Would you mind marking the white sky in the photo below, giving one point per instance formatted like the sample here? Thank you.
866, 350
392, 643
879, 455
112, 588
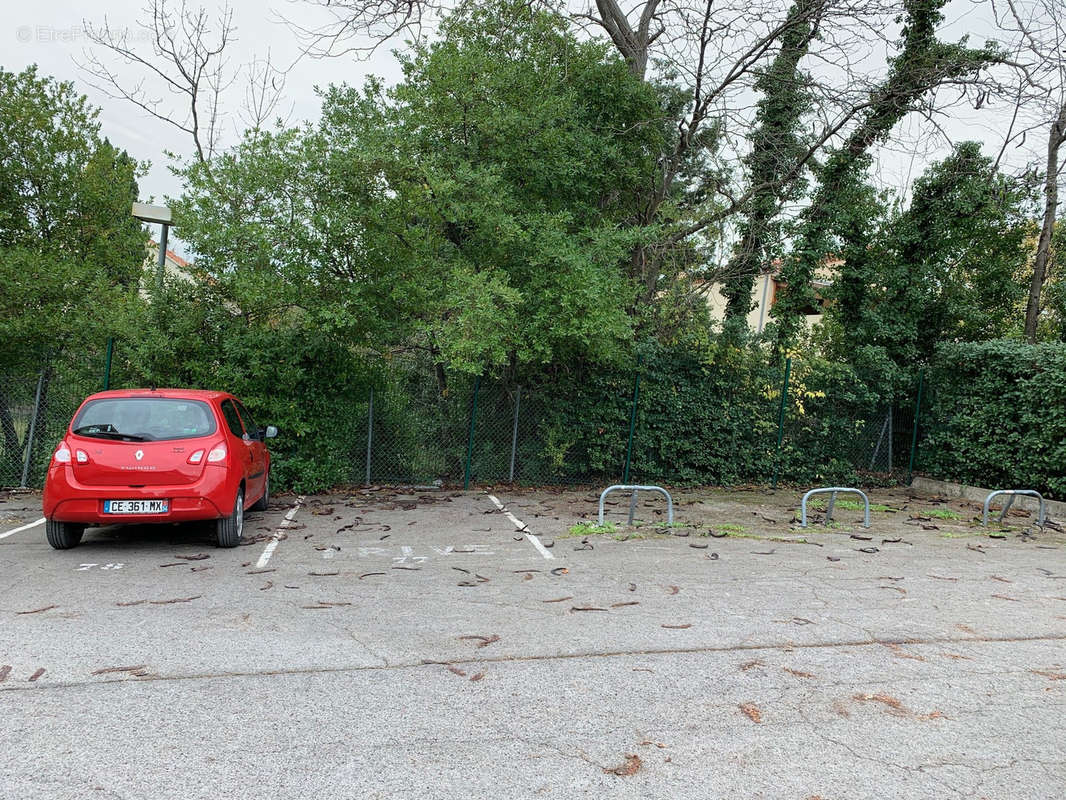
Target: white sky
51, 35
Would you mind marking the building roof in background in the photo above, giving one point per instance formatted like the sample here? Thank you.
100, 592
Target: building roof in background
171, 255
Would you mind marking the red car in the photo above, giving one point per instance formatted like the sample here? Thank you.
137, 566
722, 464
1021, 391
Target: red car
157, 455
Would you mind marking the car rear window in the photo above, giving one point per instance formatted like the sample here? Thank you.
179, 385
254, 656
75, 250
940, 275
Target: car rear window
144, 419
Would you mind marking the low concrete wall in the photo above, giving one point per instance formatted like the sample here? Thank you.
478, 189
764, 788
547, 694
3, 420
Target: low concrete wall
1055, 508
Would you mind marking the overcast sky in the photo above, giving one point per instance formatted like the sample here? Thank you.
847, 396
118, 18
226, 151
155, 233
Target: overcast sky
51, 35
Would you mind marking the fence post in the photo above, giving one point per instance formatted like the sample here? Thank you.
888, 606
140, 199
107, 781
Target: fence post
32, 430
470, 438
514, 432
632, 421
891, 409
781, 421
107, 362
914, 433
369, 434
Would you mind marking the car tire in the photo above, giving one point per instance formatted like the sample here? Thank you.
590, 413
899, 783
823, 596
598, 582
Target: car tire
229, 529
63, 535
262, 503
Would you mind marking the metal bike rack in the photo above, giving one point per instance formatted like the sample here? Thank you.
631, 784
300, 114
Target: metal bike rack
1015, 493
832, 492
633, 501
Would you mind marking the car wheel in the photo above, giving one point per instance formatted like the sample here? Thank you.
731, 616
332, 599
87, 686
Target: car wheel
229, 529
63, 535
262, 503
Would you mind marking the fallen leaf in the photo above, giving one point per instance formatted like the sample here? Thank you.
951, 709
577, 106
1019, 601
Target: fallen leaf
38, 610
631, 766
1054, 676
175, 600
37, 674
107, 670
751, 711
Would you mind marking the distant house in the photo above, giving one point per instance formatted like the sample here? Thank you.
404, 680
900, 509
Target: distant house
764, 295
173, 267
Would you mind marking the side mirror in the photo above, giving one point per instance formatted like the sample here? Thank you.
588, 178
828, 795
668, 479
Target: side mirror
270, 432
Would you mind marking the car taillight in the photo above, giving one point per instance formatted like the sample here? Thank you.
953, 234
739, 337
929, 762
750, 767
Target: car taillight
62, 454
217, 454
81, 456
196, 457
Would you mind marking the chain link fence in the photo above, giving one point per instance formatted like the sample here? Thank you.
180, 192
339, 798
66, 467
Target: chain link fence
482, 431
412, 424
35, 409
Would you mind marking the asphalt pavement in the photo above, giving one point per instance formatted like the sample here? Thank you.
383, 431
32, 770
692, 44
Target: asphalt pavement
442, 644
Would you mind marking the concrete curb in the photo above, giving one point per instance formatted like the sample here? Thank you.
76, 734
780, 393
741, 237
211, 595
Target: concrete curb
1055, 508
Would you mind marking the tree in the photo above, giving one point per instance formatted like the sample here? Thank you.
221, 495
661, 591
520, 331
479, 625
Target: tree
712, 182
480, 211
777, 144
65, 223
834, 225
186, 61
70, 252
943, 269
1038, 30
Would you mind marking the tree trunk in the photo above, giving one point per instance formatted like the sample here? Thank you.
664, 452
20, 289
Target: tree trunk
1056, 137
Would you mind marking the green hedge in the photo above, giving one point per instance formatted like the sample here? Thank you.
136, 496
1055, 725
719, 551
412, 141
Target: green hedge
997, 416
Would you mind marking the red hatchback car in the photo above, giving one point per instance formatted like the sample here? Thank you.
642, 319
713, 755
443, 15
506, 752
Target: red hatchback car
157, 455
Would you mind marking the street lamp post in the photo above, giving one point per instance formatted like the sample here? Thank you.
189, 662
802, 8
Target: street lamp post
161, 215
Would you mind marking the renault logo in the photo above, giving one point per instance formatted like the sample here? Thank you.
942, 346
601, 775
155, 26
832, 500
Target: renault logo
139, 455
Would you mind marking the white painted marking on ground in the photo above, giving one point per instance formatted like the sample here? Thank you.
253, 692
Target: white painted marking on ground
23, 528
521, 526
272, 545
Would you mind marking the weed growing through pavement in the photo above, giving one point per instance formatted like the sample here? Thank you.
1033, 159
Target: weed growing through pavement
944, 513
591, 528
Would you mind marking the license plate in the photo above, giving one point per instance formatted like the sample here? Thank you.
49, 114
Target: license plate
136, 506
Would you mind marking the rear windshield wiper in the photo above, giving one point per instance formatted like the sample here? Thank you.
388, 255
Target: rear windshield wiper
91, 430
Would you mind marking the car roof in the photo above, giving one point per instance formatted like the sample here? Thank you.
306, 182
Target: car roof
176, 394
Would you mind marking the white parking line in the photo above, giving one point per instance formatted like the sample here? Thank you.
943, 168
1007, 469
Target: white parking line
521, 526
23, 528
272, 545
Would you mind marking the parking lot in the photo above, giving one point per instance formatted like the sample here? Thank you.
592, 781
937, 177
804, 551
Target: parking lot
437, 644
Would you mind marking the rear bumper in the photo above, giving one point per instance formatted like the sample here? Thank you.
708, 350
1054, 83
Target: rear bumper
67, 500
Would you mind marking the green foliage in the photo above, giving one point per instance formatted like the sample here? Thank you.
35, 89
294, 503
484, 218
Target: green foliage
472, 211
589, 529
944, 269
310, 385
69, 250
836, 222
776, 146
998, 416
70, 256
